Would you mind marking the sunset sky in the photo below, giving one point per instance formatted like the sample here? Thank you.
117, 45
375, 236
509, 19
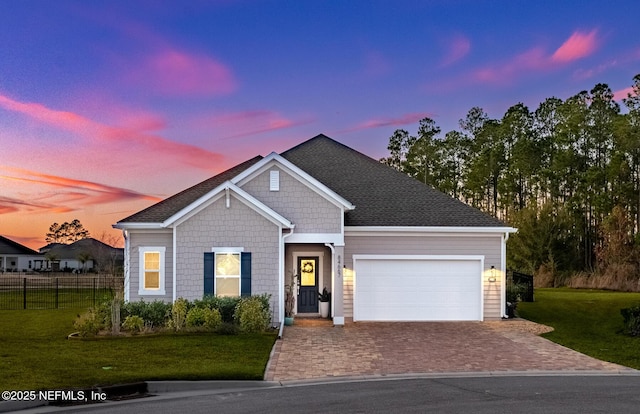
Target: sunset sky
108, 107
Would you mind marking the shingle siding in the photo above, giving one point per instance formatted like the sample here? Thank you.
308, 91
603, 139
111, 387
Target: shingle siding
489, 247
236, 226
137, 239
308, 210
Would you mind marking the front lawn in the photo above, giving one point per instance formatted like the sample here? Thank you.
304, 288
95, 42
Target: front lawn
588, 321
35, 354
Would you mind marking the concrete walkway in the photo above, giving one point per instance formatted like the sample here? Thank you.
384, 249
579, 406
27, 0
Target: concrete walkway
313, 350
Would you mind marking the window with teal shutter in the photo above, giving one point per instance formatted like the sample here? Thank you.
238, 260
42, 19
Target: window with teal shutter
221, 274
208, 273
245, 274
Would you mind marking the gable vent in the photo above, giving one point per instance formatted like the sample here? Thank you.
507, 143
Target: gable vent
274, 180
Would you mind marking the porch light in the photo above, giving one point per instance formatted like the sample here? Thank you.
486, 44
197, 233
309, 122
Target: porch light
492, 274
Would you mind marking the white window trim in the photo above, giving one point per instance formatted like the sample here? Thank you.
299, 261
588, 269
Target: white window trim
236, 250
141, 289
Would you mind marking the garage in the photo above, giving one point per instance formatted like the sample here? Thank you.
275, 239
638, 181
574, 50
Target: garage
417, 288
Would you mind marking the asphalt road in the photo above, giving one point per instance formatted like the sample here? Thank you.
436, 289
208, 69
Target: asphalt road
529, 394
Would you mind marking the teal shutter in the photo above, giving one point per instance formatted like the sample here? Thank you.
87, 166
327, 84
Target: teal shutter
208, 273
245, 274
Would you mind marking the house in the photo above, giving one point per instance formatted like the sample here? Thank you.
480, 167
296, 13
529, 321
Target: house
15, 257
82, 255
388, 247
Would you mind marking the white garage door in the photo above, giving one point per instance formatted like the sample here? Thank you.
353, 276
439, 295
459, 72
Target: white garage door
417, 288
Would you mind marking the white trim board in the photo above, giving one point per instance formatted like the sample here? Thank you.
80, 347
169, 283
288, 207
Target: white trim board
422, 230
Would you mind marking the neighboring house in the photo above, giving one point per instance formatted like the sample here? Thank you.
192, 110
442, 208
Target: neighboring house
388, 247
15, 257
82, 255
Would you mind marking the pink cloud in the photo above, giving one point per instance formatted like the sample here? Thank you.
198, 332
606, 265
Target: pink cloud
458, 48
623, 93
134, 140
13, 205
533, 59
383, 122
177, 73
578, 46
536, 59
76, 193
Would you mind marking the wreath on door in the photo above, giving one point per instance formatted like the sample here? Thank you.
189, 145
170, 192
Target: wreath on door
307, 267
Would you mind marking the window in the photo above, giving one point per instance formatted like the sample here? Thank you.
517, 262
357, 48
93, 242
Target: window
227, 272
152, 269
227, 268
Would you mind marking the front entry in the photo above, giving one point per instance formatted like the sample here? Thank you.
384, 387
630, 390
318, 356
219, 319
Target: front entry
308, 292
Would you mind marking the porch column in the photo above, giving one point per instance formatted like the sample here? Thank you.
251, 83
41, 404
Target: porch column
338, 285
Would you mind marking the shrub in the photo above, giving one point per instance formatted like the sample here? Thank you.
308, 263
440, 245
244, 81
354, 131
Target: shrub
179, 313
251, 314
226, 306
212, 319
195, 317
154, 314
88, 324
103, 314
133, 323
631, 320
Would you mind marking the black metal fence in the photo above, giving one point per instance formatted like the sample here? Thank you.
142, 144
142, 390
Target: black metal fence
51, 292
519, 287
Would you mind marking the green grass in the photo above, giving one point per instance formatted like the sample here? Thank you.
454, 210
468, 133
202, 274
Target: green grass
46, 298
35, 354
588, 321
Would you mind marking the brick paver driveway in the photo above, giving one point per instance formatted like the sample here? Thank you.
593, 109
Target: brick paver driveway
370, 349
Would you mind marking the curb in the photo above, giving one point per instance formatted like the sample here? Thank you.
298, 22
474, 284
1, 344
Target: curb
140, 390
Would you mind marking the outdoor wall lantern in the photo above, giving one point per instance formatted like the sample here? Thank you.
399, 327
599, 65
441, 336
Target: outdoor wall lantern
492, 274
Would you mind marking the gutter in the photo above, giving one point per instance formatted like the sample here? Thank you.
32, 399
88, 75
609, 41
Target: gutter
333, 276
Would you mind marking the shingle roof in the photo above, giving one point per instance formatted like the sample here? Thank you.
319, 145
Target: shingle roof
73, 250
382, 195
8, 246
166, 208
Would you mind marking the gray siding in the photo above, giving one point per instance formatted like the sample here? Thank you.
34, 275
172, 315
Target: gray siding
147, 238
487, 246
310, 212
237, 226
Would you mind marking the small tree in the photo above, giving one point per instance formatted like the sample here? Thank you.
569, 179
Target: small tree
66, 232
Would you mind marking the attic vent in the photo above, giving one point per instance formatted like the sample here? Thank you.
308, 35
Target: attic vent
274, 180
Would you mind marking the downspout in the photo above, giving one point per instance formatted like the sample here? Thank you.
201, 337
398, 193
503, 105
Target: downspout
174, 268
282, 260
503, 265
333, 267
127, 273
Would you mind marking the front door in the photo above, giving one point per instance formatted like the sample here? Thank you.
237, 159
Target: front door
308, 292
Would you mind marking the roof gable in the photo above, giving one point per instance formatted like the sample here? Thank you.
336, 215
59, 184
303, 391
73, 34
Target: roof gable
221, 191
296, 172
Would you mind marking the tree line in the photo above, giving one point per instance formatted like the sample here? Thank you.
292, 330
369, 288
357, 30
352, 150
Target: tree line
566, 174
